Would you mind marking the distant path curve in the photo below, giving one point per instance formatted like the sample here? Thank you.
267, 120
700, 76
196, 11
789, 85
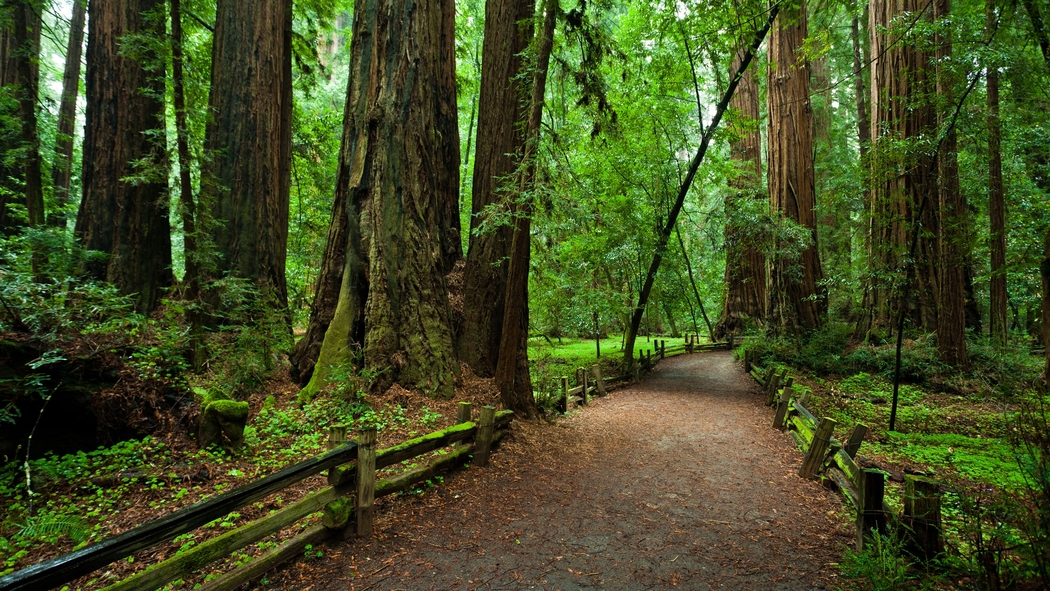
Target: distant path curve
676, 482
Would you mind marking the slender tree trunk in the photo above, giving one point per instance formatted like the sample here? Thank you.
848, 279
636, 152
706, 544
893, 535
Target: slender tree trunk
996, 202
500, 140
1044, 275
859, 87
692, 283
683, 190
401, 200
512, 367
798, 298
247, 176
951, 239
27, 42
128, 220
745, 276
62, 165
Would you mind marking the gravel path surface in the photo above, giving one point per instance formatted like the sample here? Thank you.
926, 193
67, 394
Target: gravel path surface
676, 482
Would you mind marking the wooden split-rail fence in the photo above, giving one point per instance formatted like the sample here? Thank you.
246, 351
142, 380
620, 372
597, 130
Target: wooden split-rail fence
347, 504
835, 462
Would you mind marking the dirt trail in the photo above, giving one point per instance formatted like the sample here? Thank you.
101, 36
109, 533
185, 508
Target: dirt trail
677, 482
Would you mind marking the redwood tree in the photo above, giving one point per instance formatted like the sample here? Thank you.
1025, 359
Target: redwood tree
124, 212
402, 165
745, 275
797, 297
500, 140
996, 202
248, 140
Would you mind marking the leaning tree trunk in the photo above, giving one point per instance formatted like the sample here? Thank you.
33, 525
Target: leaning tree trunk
62, 165
745, 276
124, 210
402, 165
797, 297
248, 140
952, 214
500, 139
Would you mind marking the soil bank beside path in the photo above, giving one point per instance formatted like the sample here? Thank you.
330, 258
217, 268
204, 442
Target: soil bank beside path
676, 482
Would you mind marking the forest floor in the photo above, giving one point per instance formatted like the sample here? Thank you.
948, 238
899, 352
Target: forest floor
677, 481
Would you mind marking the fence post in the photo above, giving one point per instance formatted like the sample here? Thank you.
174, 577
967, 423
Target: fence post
484, 438
855, 439
870, 515
463, 416
818, 449
336, 436
366, 480
689, 343
649, 359
599, 382
780, 419
922, 517
581, 377
565, 394
773, 385
663, 348
730, 340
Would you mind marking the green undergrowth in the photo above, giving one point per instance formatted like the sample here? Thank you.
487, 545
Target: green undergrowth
981, 433
68, 499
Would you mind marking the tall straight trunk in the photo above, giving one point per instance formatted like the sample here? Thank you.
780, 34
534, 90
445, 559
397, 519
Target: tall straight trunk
19, 49
798, 298
860, 89
126, 220
745, 276
500, 140
512, 367
401, 203
899, 111
27, 43
62, 165
246, 178
952, 213
996, 202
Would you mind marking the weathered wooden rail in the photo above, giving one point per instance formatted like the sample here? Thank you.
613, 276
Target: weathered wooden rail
827, 458
347, 505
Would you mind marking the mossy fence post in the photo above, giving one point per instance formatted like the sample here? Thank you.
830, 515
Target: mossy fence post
599, 382
565, 394
871, 518
818, 449
922, 517
780, 419
483, 443
366, 480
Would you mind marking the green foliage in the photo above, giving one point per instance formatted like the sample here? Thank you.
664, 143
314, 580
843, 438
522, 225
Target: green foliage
882, 566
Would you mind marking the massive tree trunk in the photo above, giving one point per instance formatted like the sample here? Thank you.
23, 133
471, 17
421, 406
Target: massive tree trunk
62, 165
745, 276
952, 213
798, 300
500, 140
128, 220
512, 368
996, 202
402, 165
900, 183
248, 140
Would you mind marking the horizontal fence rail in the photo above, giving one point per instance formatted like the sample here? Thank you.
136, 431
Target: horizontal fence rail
341, 513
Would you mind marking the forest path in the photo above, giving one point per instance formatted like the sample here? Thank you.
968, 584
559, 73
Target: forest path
675, 482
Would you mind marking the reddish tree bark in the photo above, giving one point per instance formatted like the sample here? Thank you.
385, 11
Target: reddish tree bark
126, 220
996, 201
797, 297
248, 138
62, 165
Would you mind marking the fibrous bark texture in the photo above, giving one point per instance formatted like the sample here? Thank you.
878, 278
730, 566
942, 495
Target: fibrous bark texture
996, 202
797, 299
901, 179
123, 137
62, 165
952, 212
745, 276
500, 141
401, 156
19, 52
249, 142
